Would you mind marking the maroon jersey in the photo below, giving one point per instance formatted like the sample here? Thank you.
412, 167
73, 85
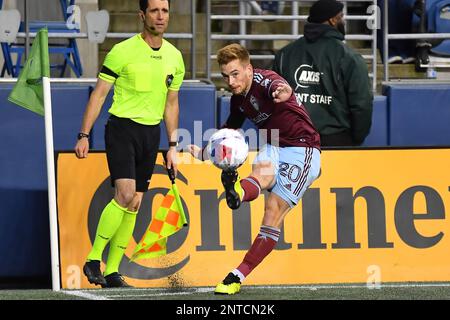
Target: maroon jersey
290, 118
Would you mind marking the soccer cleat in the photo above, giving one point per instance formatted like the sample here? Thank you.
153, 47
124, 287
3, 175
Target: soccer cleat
115, 280
91, 269
229, 179
230, 285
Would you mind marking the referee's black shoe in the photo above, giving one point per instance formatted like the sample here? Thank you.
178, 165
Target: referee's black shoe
116, 280
92, 271
229, 179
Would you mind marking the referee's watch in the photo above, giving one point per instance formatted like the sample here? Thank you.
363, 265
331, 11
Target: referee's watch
173, 143
82, 135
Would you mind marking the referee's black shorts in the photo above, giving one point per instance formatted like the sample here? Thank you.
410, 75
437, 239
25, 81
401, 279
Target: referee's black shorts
131, 150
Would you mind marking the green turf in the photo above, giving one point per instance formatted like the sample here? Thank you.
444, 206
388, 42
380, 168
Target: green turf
422, 291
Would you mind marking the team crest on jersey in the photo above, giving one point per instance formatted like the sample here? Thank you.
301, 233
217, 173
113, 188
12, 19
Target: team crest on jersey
305, 76
169, 80
254, 103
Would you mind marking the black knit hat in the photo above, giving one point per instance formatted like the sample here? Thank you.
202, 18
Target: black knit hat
323, 10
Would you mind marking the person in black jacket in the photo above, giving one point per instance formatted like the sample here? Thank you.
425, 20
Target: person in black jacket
329, 78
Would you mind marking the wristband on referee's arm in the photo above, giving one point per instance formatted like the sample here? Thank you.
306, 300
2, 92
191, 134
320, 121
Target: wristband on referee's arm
82, 135
173, 144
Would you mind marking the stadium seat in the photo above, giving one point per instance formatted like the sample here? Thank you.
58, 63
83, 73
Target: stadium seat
68, 50
439, 19
272, 7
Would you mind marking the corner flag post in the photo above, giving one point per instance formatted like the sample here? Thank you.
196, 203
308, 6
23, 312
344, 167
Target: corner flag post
54, 247
32, 91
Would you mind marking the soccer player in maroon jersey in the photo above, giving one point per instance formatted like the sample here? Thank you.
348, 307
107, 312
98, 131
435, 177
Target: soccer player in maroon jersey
286, 166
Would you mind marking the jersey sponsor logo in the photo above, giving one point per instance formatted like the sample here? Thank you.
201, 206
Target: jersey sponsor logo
254, 103
305, 76
156, 57
260, 117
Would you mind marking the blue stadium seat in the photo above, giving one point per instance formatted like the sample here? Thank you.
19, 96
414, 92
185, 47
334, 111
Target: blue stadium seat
272, 7
69, 50
437, 17
439, 22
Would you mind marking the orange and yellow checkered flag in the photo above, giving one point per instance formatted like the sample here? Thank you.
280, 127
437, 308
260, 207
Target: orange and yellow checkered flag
169, 219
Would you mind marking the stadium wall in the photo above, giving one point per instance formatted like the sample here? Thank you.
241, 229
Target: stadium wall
367, 219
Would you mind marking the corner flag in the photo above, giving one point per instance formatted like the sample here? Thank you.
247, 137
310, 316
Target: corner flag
32, 91
169, 219
28, 91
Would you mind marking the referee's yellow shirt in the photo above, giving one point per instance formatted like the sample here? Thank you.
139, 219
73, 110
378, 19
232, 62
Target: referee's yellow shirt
141, 77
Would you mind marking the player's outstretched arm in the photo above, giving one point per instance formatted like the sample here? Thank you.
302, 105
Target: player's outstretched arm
197, 152
282, 93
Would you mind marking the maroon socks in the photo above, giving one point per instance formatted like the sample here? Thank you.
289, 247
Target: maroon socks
251, 188
261, 247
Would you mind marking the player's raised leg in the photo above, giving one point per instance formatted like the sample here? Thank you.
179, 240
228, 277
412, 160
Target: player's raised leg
248, 189
267, 238
286, 190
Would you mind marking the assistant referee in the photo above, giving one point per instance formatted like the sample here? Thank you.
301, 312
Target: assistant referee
147, 72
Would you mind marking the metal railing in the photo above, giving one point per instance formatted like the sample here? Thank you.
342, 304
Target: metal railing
119, 35
402, 36
243, 16
294, 17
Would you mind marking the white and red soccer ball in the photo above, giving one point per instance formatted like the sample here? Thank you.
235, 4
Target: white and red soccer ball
227, 149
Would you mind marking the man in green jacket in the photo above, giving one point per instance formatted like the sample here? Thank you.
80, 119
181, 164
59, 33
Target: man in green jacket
329, 78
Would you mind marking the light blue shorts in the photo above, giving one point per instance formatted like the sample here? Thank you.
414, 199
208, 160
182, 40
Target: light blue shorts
295, 169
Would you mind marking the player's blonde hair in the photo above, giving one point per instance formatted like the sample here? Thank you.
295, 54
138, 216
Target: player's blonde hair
232, 52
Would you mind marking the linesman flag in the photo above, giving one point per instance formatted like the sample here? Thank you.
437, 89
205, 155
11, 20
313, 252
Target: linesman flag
169, 219
28, 91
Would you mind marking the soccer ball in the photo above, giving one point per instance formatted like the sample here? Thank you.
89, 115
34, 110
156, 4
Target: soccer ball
227, 149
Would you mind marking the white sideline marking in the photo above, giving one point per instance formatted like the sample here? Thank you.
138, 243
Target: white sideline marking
315, 287
84, 295
179, 293
153, 292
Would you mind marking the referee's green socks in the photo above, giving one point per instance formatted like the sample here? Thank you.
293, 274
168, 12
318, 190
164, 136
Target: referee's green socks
109, 223
120, 241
